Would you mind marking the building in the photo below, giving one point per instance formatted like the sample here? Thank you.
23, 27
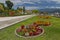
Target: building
57, 14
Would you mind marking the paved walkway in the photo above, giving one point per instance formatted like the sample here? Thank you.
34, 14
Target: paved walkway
7, 21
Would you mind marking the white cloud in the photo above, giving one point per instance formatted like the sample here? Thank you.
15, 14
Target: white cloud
52, 7
58, 1
29, 2
32, 7
24, 0
2, 1
16, 1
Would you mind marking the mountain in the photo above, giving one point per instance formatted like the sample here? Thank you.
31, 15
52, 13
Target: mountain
50, 10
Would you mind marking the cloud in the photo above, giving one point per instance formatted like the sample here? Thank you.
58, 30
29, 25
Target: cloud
54, 7
56, 0
2, 1
32, 7
29, 2
16, 1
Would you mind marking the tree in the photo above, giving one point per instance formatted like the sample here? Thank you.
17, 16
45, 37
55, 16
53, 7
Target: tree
19, 9
35, 11
9, 4
1, 7
23, 9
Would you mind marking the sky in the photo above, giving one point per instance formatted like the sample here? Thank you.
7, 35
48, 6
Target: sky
35, 4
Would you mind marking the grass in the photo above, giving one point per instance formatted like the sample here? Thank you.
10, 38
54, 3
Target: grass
51, 32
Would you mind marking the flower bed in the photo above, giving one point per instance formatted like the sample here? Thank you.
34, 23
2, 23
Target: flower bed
29, 31
32, 30
46, 17
43, 23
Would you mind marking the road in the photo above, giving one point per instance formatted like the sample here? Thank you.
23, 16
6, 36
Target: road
8, 21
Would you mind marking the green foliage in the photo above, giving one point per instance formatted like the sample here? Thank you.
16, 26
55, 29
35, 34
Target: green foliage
35, 11
9, 4
19, 8
1, 7
23, 9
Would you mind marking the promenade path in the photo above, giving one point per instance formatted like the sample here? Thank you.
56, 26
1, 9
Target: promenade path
8, 21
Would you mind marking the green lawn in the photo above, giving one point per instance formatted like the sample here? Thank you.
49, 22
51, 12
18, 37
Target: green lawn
51, 32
